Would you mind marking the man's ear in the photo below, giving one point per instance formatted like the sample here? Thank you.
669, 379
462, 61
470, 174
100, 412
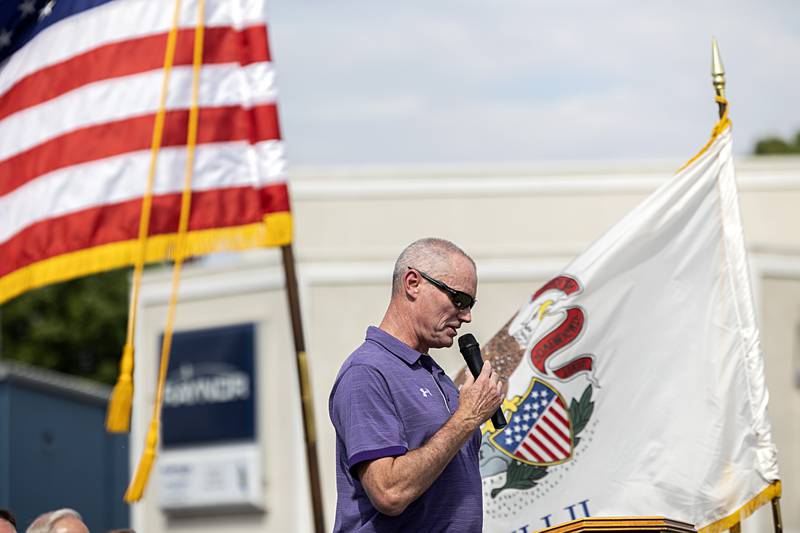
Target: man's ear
411, 282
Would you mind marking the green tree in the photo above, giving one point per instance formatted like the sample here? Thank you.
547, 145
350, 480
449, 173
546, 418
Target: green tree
76, 327
778, 146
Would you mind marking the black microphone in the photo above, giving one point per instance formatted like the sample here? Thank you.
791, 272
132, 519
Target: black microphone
471, 351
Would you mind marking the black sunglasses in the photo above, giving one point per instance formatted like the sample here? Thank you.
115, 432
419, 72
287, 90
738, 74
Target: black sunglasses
460, 299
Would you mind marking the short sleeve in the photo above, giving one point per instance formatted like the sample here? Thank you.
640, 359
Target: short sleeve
365, 417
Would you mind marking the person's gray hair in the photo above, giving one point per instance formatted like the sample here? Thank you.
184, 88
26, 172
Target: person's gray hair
430, 255
44, 523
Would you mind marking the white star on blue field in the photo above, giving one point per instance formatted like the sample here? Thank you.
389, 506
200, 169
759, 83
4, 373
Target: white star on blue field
522, 421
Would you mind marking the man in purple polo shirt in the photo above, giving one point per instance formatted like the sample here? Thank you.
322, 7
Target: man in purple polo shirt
406, 440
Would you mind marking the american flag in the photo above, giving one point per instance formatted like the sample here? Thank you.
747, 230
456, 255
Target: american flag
80, 88
539, 431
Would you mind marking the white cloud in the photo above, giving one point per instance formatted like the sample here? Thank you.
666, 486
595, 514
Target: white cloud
364, 81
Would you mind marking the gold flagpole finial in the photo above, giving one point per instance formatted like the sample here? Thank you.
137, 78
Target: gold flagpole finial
718, 76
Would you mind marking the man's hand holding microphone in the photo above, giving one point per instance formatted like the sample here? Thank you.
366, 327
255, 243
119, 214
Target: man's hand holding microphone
482, 393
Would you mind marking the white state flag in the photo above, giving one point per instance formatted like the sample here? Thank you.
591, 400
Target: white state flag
638, 384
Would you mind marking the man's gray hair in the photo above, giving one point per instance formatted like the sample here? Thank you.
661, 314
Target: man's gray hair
430, 255
45, 522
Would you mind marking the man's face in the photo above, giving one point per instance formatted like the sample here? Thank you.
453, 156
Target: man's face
438, 319
6, 527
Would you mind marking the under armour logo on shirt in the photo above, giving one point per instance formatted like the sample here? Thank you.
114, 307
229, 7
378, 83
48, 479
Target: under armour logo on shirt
425, 392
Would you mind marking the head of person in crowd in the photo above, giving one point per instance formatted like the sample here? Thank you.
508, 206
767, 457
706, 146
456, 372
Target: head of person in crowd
8, 524
59, 521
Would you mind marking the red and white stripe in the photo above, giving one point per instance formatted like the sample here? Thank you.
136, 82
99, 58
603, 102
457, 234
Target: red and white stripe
77, 109
548, 440
123, 21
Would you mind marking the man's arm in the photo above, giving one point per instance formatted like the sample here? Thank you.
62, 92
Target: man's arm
392, 483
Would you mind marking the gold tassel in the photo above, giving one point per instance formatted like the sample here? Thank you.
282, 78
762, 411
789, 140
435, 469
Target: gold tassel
118, 415
119, 407
139, 482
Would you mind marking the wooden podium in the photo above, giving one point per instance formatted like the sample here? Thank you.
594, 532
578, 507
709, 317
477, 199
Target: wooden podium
628, 524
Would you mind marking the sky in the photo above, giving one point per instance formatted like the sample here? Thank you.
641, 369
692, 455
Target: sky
413, 82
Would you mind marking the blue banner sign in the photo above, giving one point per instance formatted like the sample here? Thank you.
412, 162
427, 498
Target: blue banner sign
210, 390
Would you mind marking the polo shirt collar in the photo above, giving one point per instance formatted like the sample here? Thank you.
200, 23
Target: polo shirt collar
393, 345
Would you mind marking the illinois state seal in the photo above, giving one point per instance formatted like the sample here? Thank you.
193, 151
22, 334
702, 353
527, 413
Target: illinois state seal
550, 388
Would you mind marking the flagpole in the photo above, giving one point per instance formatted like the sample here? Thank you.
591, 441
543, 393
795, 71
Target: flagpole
309, 430
718, 77
718, 81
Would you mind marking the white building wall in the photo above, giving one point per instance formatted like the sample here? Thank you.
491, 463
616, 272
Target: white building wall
520, 225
